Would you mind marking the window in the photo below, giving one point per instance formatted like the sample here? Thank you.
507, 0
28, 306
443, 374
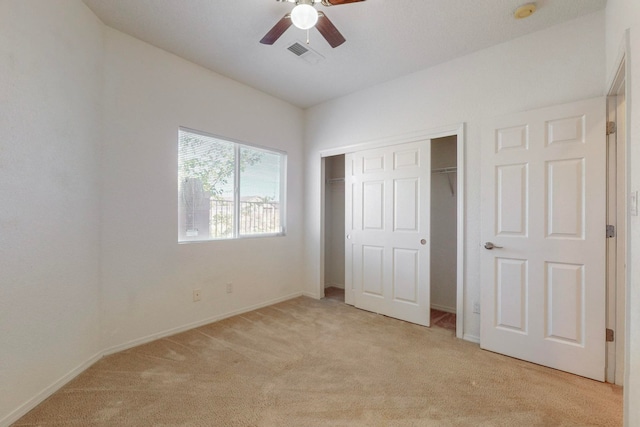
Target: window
228, 190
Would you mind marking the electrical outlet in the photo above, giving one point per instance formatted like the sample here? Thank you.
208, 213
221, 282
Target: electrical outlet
476, 308
229, 287
197, 295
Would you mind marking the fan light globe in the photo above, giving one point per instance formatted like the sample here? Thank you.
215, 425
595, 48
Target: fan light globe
304, 16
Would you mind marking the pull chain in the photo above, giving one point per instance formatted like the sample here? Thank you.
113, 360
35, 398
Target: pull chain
307, 36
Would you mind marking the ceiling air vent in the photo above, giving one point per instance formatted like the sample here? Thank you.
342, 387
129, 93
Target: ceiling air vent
305, 52
298, 49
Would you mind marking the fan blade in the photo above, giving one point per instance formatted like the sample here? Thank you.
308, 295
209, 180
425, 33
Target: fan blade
329, 31
277, 30
338, 2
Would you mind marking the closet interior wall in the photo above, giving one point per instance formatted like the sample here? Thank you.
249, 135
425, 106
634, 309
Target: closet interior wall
334, 223
443, 224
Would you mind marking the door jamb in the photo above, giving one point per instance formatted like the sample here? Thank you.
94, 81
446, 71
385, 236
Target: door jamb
618, 86
457, 130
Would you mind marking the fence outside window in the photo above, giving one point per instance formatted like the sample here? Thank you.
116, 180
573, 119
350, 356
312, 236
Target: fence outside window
256, 217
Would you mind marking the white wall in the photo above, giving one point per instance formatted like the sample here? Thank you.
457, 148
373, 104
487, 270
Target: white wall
622, 15
89, 259
50, 121
444, 220
148, 278
557, 65
334, 223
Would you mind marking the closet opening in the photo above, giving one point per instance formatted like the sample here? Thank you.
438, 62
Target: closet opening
444, 229
334, 232
444, 238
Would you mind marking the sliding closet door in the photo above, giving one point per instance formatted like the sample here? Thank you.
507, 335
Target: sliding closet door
387, 248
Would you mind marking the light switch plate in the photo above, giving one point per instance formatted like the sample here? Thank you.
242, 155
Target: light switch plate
633, 203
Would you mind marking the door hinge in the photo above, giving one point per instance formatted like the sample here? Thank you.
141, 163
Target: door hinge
611, 128
611, 231
610, 335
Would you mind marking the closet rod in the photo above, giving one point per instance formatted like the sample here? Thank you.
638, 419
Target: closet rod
335, 180
445, 170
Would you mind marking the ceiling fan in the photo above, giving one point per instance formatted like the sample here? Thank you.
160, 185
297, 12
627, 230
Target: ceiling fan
305, 16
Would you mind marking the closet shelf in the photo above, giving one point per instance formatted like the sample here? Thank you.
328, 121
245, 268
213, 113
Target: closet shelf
448, 172
445, 170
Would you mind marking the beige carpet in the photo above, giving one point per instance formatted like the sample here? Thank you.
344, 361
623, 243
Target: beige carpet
439, 318
322, 363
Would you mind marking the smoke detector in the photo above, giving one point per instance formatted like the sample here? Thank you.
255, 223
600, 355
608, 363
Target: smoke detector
525, 11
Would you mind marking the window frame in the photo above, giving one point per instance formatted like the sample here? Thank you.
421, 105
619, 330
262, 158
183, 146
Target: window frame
237, 145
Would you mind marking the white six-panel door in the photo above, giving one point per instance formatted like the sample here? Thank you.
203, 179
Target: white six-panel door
543, 208
387, 223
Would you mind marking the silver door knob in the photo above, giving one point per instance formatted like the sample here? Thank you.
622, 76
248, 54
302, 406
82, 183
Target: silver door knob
490, 245
423, 242
348, 236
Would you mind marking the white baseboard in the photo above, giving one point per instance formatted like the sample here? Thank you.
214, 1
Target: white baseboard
313, 295
333, 285
22, 410
471, 338
444, 308
57, 385
193, 325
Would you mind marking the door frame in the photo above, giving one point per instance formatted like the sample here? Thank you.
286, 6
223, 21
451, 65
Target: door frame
457, 130
618, 280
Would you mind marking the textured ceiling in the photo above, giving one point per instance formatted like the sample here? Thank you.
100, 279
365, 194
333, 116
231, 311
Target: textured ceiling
386, 39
